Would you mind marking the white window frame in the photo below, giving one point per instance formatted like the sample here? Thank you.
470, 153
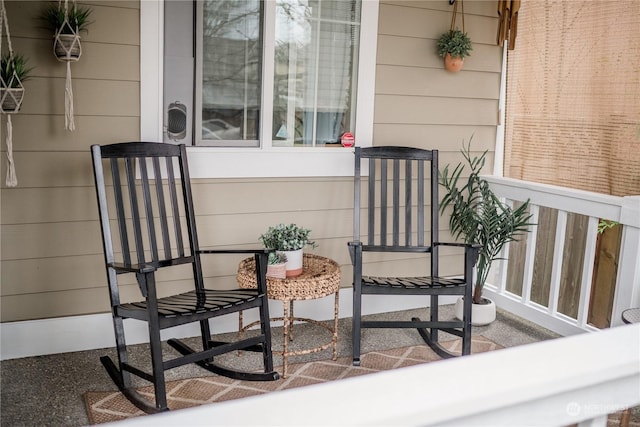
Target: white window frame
267, 161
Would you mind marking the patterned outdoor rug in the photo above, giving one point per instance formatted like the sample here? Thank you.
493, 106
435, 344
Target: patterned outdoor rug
112, 406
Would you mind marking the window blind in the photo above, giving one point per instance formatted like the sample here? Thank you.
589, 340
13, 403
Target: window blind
573, 96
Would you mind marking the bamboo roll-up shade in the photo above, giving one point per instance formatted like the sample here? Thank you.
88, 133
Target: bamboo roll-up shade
573, 95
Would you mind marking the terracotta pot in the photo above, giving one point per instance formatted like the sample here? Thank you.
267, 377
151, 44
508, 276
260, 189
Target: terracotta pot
67, 47
11, 99
277, 271
453, 63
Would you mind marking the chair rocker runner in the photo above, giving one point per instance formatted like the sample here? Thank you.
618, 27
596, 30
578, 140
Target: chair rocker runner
149, 194
400, 214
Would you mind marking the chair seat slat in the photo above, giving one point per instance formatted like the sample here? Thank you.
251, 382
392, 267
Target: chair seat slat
412, 282
196, 302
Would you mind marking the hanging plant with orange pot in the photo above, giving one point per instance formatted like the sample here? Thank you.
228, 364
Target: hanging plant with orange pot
455, 44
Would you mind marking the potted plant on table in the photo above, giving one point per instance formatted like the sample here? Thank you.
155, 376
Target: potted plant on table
479, 216
277, 265
453, 46
290, 239
13, 71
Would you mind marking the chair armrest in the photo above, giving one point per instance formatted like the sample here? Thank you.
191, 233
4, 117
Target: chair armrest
471, 250
140, 270
458, 244
133, 268
235, 251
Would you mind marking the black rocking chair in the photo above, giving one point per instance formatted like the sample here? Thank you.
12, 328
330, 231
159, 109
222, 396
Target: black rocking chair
154, 229
400, 214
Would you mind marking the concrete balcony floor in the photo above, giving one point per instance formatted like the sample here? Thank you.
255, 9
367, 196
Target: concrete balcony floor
48, 390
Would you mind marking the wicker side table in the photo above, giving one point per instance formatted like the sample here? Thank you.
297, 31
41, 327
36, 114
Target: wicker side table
320, 278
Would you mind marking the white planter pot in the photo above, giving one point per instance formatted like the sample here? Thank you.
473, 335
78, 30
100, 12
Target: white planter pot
294, 262
481, 314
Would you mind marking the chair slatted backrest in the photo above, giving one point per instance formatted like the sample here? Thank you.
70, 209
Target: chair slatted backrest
401, 200
153, 216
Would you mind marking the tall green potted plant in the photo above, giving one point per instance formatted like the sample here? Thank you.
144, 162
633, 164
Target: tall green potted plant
290, 239
479, 216
453, 46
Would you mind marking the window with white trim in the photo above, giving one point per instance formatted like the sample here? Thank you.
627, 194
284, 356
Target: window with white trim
268, 86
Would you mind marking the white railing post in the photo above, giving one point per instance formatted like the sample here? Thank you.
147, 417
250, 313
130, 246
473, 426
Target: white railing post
628, 283
587, 271
596, 206
556, 270
529, 261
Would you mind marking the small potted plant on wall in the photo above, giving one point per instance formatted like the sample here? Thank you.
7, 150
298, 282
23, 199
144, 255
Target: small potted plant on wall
13, 71
290, 239
67, 21
453, 46
479, 216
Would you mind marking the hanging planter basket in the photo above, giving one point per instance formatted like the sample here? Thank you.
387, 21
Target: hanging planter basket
11, 99
67, 47
13, 71
67, 20
454, 45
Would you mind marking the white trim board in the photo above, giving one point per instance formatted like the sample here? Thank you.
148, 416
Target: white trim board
90, 332
550, 383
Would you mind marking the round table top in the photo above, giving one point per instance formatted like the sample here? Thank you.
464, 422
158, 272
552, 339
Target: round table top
320, 277
631, 315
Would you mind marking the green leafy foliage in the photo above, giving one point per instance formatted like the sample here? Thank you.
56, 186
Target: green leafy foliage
604, 225
286, 237
455, 42
277, 258
77, 18
478, 215
13, 70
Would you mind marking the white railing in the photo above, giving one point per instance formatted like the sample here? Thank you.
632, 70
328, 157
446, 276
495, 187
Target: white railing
596, 206
591, 376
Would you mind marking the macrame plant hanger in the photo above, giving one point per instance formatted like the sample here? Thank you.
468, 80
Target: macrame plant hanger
455, 13
67, 48
12, 93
